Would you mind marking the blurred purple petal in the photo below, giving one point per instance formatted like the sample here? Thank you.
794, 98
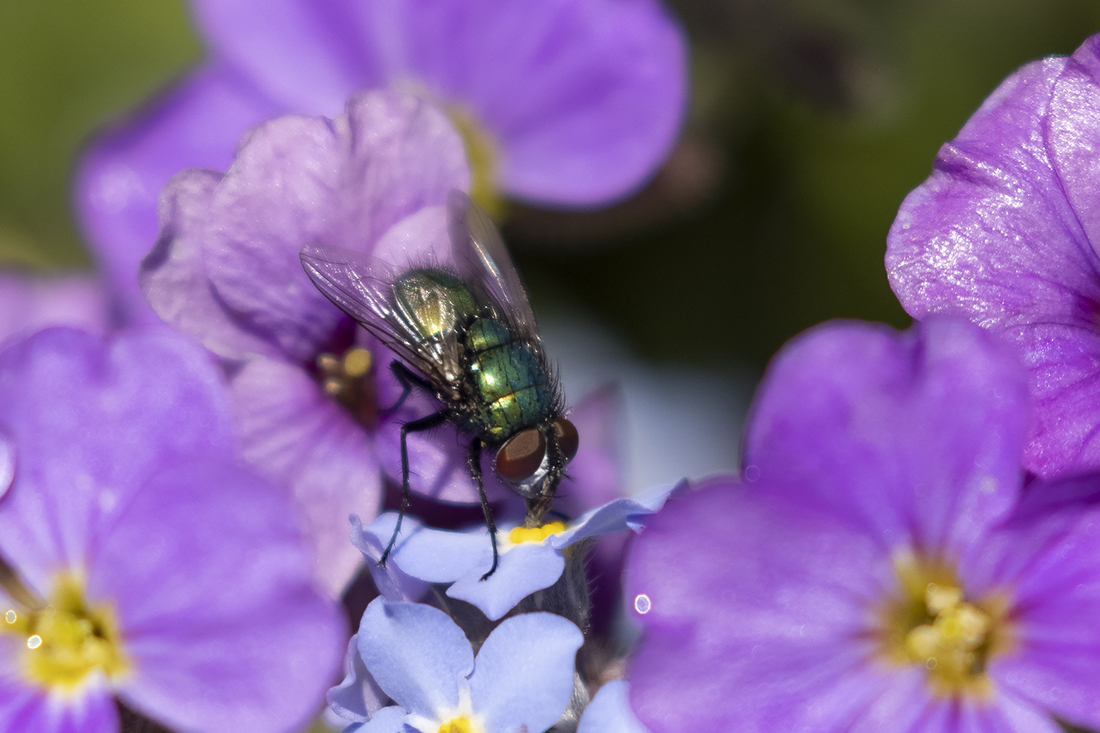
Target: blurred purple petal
609, 711
258, 658
297, 436
512, 692
417, 655
8, 460
28, 304
23, 708
96, 418
195, 124
933, 418
522, 570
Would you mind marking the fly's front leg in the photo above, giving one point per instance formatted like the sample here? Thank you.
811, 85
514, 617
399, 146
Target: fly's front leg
473, 463
408, 379
539, 505
416, 426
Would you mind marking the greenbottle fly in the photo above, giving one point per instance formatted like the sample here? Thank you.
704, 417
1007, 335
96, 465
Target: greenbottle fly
464, 332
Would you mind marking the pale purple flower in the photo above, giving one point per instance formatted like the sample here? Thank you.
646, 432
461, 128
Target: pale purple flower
875, 573
521, 679
1005, 232
225, 271
610, 712
177, 580
563, 102
31, 302
529, 559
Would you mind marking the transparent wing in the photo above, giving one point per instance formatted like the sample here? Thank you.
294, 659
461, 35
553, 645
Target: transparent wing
362, 287
481, 258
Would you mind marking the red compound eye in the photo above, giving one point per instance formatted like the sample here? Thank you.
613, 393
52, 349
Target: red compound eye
568, 440
521, 456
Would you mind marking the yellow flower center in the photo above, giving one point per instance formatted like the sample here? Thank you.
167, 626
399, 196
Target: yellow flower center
520, 535
461, 724
933, 624
67, 640
482, 155
343, 379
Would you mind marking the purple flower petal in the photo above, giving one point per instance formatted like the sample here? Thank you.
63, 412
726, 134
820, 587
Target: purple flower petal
29, 708
522, 570
595, 476
915, 437
30, 304
523, 675
583, 98
609, 711
8, 461
304, 54
196, 124
96, 418
297, 436
344, 183
1002, 233
779, 637
257, 657
417, 655
358, 696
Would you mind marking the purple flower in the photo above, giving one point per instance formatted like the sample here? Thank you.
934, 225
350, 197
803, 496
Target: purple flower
225, 270
1005, 232
29, 303
567, 102
521, 679
150, 565
873, 575
531, 559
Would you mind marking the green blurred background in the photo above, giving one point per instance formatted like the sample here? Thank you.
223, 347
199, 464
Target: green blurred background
811, 120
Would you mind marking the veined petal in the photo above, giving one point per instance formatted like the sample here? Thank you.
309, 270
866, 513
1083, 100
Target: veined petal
522, 570
300, 438
523, 675
196, 124
358, 696
417, 654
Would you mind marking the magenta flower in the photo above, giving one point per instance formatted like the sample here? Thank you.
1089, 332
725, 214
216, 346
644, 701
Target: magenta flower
151, 565
564, 102
876, 573
1004, 232
226, 271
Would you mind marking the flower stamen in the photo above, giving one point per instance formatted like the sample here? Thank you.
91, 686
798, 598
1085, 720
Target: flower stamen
344, 379
520, 535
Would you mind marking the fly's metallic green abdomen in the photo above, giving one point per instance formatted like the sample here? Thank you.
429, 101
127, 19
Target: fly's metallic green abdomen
433, 301
513, 389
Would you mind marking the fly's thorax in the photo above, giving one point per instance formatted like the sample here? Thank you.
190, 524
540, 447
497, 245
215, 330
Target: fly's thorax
432, 301
511, 385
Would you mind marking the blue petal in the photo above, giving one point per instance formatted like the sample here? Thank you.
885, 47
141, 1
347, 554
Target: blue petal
416, 654
610, 712
386, 720
614, 516
523, 570
523, 675
433, 555
391, 581
358, 695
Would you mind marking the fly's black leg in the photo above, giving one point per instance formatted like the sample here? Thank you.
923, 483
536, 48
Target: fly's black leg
473, 462
416, 426
407, 379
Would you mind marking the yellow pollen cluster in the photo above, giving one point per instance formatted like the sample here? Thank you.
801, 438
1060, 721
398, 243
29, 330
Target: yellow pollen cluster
932, 623
67, 640
535, 534
461, 724
952, 646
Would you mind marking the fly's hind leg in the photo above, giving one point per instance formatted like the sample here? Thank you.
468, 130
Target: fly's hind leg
473, 463
416, 426
408, 379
